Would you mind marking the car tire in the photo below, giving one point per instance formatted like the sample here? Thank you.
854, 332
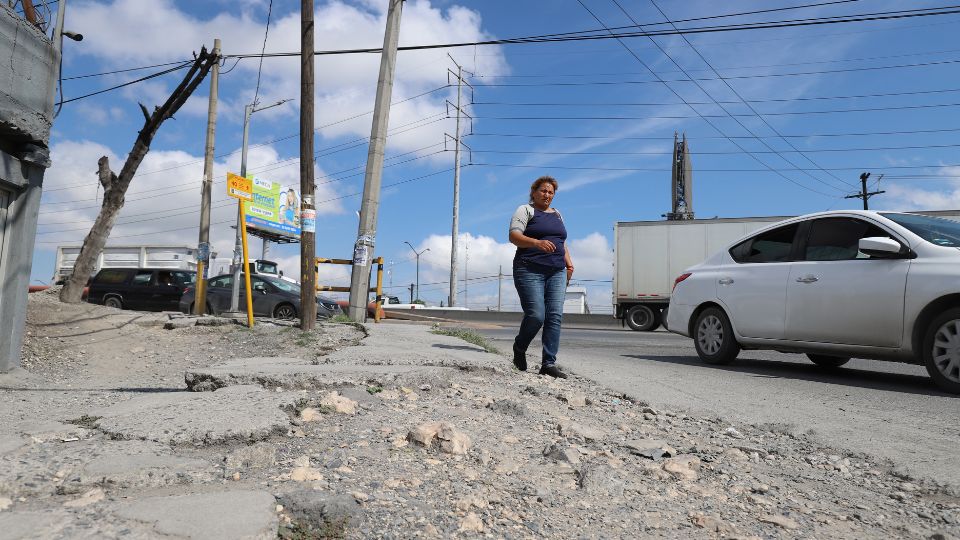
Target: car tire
713, 337
941, 350
113, 301
285, 311
643, 318
829, 362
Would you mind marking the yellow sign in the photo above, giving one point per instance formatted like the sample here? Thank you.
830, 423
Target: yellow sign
239, 187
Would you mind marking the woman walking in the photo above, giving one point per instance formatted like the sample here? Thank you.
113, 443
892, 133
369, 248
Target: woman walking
542, 269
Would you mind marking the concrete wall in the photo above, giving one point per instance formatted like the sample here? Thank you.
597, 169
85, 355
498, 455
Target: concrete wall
16, 257
28, 73
28, 69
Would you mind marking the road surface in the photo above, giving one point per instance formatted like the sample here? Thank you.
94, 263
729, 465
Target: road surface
885, 409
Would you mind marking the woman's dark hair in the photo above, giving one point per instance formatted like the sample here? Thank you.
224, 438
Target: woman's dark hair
541, 181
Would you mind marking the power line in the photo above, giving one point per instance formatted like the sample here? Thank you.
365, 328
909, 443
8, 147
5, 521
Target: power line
266, 32
704, 117
590, 35
702, 169
699, 137
128, 83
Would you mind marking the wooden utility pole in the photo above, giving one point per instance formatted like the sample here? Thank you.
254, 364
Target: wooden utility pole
367, 230
203, 245
115, 185
864, 194
308, 213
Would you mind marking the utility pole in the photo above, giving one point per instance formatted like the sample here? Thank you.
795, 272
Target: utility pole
418, 267
411, 293
203, 243
466, 276
308, 223
248, 111
454, 236
500, 288
864, 194
367, 230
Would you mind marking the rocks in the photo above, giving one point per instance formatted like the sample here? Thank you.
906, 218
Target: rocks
562, 454
654, 449
255, 456
683, 468
780, 521
316, 514
575, 430
440, 435
339, 404
542, 459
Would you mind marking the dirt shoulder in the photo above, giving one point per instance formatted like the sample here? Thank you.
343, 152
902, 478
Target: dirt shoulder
392, 431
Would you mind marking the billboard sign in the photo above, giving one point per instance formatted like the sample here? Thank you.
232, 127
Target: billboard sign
274, 209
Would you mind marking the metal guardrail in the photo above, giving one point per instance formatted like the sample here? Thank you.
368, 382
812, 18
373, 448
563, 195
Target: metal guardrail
378, 310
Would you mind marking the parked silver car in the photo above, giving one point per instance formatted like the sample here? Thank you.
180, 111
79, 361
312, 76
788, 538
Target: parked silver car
833, 285
272, 297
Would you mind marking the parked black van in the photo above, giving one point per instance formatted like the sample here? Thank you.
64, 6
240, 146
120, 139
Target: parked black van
145, 289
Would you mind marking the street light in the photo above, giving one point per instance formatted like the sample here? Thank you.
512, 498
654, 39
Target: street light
238, 244
418, 264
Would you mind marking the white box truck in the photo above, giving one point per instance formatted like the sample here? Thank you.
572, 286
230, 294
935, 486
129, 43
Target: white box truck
649, 255
144, 256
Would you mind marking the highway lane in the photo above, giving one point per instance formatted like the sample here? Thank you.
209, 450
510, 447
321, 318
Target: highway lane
889, 410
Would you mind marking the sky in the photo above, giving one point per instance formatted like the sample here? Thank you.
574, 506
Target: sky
779, 121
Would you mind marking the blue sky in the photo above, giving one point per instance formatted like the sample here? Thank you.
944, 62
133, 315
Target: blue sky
871, 96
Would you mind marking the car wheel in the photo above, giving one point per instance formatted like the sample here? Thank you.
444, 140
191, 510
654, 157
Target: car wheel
643, 318
941, 350
284, 311
825, 361
713, 337
113, 301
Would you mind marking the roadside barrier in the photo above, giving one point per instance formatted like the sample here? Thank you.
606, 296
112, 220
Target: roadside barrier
377, 309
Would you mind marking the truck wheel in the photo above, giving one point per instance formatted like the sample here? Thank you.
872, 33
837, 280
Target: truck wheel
713, 337
113, 301
643, 318
941, 350
825, 361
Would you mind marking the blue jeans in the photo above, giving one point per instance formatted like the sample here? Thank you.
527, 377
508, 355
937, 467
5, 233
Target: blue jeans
542, 290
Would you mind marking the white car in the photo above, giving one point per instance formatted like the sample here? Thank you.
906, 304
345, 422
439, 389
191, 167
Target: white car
833, 285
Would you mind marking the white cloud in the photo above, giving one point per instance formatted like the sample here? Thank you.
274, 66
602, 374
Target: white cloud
163, 201
901, 196
120, 35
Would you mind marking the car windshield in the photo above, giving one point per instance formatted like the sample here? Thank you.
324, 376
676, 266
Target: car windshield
937, 231
283, 285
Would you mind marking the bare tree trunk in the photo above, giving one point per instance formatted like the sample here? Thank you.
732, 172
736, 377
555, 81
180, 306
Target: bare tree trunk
115, 186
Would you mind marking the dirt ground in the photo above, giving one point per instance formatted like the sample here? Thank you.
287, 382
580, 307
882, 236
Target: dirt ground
437, 439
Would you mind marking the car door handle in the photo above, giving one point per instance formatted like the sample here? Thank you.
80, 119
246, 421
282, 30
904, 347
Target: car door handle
807, 279
725, 281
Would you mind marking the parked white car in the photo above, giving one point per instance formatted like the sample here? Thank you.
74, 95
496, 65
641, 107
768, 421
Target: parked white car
833, 285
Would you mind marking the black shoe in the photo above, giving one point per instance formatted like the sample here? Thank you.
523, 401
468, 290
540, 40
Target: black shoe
553, 371
520, 359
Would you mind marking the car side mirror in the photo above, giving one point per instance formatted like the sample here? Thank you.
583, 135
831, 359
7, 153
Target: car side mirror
882, 248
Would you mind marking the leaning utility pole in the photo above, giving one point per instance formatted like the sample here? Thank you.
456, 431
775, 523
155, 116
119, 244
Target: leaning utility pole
367, 231
203, 245
308, 224
864, 194
454, 236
